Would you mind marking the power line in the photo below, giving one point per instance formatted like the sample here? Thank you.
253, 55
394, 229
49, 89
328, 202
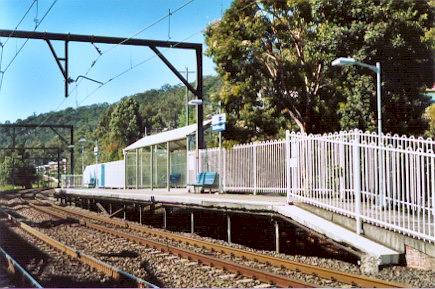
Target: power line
2, 44
19, 22
101, 53
25, 42
152, 57
133, 67
16, 54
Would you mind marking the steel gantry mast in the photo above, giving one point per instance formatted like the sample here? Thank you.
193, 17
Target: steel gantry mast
62, 62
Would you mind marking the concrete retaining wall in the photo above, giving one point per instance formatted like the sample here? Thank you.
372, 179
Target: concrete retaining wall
418, 254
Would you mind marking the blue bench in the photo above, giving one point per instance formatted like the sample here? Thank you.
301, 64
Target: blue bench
205, 180
174, 179
92, 183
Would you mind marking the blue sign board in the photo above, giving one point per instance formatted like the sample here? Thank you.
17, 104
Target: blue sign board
218, 127
218, 122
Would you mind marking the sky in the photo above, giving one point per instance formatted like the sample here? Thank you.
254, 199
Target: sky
33, 83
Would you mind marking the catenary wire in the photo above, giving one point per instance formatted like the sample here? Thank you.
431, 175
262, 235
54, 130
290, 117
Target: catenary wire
101, 53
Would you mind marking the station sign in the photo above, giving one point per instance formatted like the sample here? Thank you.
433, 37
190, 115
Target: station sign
218, 122
218, 119
218, 127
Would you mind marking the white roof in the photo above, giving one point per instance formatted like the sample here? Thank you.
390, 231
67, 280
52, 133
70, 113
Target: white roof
163, 137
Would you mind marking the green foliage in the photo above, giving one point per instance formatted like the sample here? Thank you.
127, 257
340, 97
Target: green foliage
274, 58
119, 126
17, 170
430, 116
112, 126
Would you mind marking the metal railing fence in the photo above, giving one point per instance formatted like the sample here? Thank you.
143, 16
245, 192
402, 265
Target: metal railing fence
71, 181
384, 180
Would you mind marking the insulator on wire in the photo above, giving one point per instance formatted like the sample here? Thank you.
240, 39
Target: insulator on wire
169, 24
96, 48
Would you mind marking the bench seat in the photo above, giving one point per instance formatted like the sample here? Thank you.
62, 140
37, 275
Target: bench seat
205, 180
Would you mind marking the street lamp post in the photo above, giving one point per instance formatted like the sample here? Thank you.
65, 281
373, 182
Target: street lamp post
196, 102
96, 151
82, 141
187, 71
342, 61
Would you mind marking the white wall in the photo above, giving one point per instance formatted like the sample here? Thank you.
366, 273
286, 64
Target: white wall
114, 176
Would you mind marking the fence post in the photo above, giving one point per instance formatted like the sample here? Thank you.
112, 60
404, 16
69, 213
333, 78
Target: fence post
224, 183
287, 163
433, 184
254, 160
125, 168
137, 170
357, 181
341, 167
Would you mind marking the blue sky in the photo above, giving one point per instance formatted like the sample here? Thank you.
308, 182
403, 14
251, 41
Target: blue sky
33, 83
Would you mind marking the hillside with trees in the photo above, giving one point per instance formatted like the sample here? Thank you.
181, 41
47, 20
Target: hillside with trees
113, 126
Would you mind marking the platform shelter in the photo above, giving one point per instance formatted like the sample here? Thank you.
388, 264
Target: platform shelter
162, 160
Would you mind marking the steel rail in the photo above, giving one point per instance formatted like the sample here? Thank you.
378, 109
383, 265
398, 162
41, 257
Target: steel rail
348, 278
109, 270
14, 268
278, 280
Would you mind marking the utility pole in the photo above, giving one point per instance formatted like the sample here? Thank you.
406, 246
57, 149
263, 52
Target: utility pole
186, 98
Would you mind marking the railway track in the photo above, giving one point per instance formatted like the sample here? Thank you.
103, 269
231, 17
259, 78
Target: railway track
61, 259
202, 259
18, 274
120, 228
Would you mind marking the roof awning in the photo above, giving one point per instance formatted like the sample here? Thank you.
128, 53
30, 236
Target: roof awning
166, 136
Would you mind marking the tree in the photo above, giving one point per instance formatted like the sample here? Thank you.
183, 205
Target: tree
274, 58
119, 126
16, 169
430, 116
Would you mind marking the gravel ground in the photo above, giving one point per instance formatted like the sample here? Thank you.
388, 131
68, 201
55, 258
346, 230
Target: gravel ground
152, 265
50, 267
257, 265
400, 274
412, 277
149, 264
5, 282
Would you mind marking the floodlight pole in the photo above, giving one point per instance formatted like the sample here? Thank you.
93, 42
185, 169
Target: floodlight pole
378, 94
342, 61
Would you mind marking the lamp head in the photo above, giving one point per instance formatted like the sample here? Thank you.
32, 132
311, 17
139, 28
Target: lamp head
343, 61
195, 102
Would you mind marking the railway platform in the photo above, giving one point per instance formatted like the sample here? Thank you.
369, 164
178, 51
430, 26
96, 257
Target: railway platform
257, 204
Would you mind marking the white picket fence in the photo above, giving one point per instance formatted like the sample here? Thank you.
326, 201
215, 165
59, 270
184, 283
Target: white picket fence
385, 180
71, 181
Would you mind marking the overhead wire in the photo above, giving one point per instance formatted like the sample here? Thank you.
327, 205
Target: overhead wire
19, 22
132, 67
16, 54
2, 44
101, 53
150, 58
25, 42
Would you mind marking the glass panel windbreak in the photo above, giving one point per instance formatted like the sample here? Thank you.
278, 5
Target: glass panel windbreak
159, 163
146, 167
178, 168
130, 165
